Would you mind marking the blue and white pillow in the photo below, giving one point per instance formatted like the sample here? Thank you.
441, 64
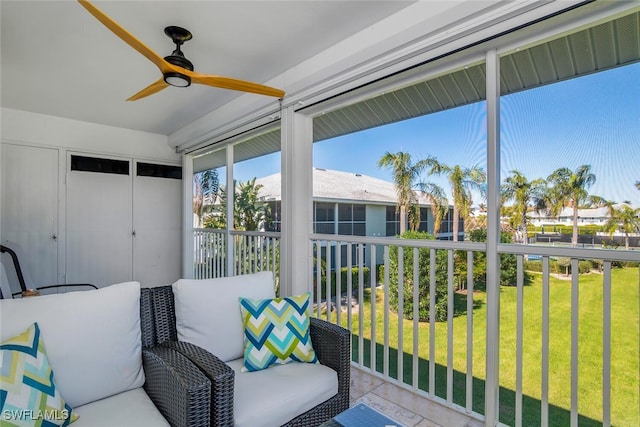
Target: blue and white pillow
28, 394
276, 331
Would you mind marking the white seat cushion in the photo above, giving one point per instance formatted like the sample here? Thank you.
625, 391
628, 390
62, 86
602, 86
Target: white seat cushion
132, 408
92, 338
208, 311
271, 397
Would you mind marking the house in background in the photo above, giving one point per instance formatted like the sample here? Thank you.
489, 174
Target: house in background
352, 204
586, 216
592, 223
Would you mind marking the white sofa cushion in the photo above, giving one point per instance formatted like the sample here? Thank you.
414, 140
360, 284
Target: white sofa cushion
208, 310
132, 408
92, 338
296, 388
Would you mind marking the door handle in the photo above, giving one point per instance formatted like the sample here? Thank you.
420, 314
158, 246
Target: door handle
133, 233
54, 236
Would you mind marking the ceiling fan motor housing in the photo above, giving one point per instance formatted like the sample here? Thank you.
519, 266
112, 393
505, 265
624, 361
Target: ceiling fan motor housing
179, 35
177, 58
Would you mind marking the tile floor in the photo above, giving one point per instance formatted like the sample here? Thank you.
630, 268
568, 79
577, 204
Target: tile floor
403, 406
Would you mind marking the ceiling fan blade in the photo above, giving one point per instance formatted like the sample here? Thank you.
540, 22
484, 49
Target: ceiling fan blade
149, 90
234, 84
127, 37
166, 67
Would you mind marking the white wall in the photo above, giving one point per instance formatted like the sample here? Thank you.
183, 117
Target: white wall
40, 129
67, 136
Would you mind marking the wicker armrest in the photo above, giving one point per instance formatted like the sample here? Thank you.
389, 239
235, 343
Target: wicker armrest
219, 374
332, 344
178, 389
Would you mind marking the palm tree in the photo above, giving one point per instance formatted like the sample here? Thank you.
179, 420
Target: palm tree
205, 191
437, 201
219, 218
625, 219
462, 180
638, 185
413, 215
405, 173
250, 213
524, 194
570, 188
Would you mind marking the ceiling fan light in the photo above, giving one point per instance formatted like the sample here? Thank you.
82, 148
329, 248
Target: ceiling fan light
177, 79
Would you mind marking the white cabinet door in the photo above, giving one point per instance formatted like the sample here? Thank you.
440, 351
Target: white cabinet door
157, 213
30, 183
99, 225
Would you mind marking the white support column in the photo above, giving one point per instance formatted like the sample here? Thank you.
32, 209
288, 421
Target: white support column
492, 384
187, 216
231, 199
297, 201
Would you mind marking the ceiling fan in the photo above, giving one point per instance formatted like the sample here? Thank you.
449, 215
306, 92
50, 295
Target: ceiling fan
176, 69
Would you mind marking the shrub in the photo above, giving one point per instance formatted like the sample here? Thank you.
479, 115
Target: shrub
343, 281
629, 264
424, 255
508, 262
533, 266
584, 267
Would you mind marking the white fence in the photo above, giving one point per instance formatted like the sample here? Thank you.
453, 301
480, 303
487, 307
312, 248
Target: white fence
424, 356
443, 356
249, 252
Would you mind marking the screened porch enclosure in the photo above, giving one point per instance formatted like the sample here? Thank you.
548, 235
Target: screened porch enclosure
557, 342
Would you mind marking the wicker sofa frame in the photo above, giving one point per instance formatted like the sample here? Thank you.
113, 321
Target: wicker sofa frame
180, 391
331, 343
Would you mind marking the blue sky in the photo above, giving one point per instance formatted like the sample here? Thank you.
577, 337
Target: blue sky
592, 120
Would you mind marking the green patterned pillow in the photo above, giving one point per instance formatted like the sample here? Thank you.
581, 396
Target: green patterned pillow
28, 395
276, 331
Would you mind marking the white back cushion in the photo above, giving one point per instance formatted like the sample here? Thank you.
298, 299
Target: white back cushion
92, 338
208, 311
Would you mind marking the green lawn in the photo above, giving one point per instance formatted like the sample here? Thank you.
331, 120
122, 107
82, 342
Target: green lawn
625, 350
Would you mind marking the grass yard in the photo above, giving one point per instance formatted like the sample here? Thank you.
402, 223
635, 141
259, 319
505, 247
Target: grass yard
625, 350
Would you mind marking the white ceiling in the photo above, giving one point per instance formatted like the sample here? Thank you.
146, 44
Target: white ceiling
57, 59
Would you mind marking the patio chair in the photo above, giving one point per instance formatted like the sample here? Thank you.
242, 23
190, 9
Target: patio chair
331, 344
21, 281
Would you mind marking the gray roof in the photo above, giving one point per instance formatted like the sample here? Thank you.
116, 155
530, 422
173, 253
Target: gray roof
336, 185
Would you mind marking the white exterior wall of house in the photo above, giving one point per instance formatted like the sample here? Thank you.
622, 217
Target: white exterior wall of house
81, 225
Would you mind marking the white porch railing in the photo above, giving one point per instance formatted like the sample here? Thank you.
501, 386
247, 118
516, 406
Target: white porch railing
249, 252
445, 361
210, 253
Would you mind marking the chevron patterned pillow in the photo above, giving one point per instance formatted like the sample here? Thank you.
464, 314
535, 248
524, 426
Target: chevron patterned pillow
28, 395
276, 331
